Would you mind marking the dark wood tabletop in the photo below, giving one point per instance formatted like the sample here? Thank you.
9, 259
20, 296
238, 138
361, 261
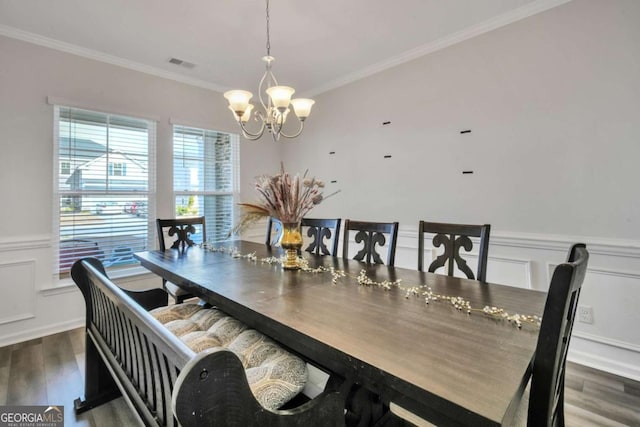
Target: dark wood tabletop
431, 357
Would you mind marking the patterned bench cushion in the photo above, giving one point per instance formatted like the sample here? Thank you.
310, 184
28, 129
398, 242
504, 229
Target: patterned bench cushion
274, 375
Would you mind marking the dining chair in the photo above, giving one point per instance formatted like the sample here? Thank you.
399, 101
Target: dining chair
546, 396
274, 232
321, 229
371, 234
184, 229
455, 237
543, 402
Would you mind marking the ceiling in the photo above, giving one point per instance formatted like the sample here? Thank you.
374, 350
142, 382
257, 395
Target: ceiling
318, 44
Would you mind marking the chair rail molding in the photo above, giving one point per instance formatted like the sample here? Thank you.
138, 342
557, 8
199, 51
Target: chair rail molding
597, 245
25, 243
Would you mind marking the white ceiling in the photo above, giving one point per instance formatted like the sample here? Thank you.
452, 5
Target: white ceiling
318, 44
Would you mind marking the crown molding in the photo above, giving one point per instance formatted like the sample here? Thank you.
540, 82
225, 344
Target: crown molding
444, 42
473, 31
103, 57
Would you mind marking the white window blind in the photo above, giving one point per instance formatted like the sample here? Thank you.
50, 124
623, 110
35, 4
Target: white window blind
205, 177
104, 186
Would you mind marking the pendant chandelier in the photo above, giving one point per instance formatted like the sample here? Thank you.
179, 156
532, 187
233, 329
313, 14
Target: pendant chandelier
276, 108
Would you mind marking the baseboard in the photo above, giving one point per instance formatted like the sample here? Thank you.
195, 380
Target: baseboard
621, 360
605, 364
40, 332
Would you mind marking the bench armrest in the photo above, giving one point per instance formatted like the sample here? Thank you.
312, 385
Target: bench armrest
212, 390
149, 298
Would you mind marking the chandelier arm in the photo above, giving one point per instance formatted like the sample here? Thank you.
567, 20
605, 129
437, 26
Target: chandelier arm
271, 81
249, 135
296, 134
277, 124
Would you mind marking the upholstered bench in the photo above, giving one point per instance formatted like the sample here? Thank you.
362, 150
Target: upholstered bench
275, 376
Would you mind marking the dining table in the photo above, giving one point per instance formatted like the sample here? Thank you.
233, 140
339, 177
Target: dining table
421, 340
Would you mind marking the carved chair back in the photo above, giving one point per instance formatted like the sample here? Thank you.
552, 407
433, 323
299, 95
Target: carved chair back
321, 229
371, 234
546, 398
454, 237
183, 229
274, 232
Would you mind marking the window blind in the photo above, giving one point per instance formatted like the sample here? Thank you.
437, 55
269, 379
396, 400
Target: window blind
104, 175
205, 177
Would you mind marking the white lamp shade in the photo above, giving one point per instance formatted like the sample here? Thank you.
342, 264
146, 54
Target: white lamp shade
247, 114
280, 96
302, 107
238, 100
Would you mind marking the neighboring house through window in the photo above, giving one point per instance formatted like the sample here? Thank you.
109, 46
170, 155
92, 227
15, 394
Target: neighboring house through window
106, 168
205, 177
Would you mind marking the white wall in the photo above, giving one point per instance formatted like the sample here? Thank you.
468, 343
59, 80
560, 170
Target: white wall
552, 102
32, 302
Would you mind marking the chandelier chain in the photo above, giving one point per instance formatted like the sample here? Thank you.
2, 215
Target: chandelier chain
268, 37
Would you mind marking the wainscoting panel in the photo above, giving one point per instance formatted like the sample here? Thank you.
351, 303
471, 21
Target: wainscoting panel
17, 285
34, 302
509, 271
613, 296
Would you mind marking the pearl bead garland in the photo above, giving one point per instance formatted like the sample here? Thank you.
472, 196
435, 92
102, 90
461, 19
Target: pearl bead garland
362, 279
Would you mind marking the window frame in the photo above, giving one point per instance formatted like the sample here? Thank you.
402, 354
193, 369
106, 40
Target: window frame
63, 279
234, 191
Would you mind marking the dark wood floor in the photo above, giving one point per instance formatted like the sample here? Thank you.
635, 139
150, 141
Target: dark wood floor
50, 371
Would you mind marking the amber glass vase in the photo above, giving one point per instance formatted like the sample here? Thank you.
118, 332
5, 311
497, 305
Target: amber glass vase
291, 242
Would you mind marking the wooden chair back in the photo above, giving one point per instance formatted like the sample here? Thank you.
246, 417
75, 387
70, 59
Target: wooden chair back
183, 229
546, 398
321, 229
371, 234
274, 232
454, 237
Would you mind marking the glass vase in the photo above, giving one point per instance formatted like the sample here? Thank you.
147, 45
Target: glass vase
291, 243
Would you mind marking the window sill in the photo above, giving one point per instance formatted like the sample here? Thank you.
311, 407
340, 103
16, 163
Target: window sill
67, 285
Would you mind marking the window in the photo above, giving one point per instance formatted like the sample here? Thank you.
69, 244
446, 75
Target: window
205, 177
105, 190
117, 169
65, 168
